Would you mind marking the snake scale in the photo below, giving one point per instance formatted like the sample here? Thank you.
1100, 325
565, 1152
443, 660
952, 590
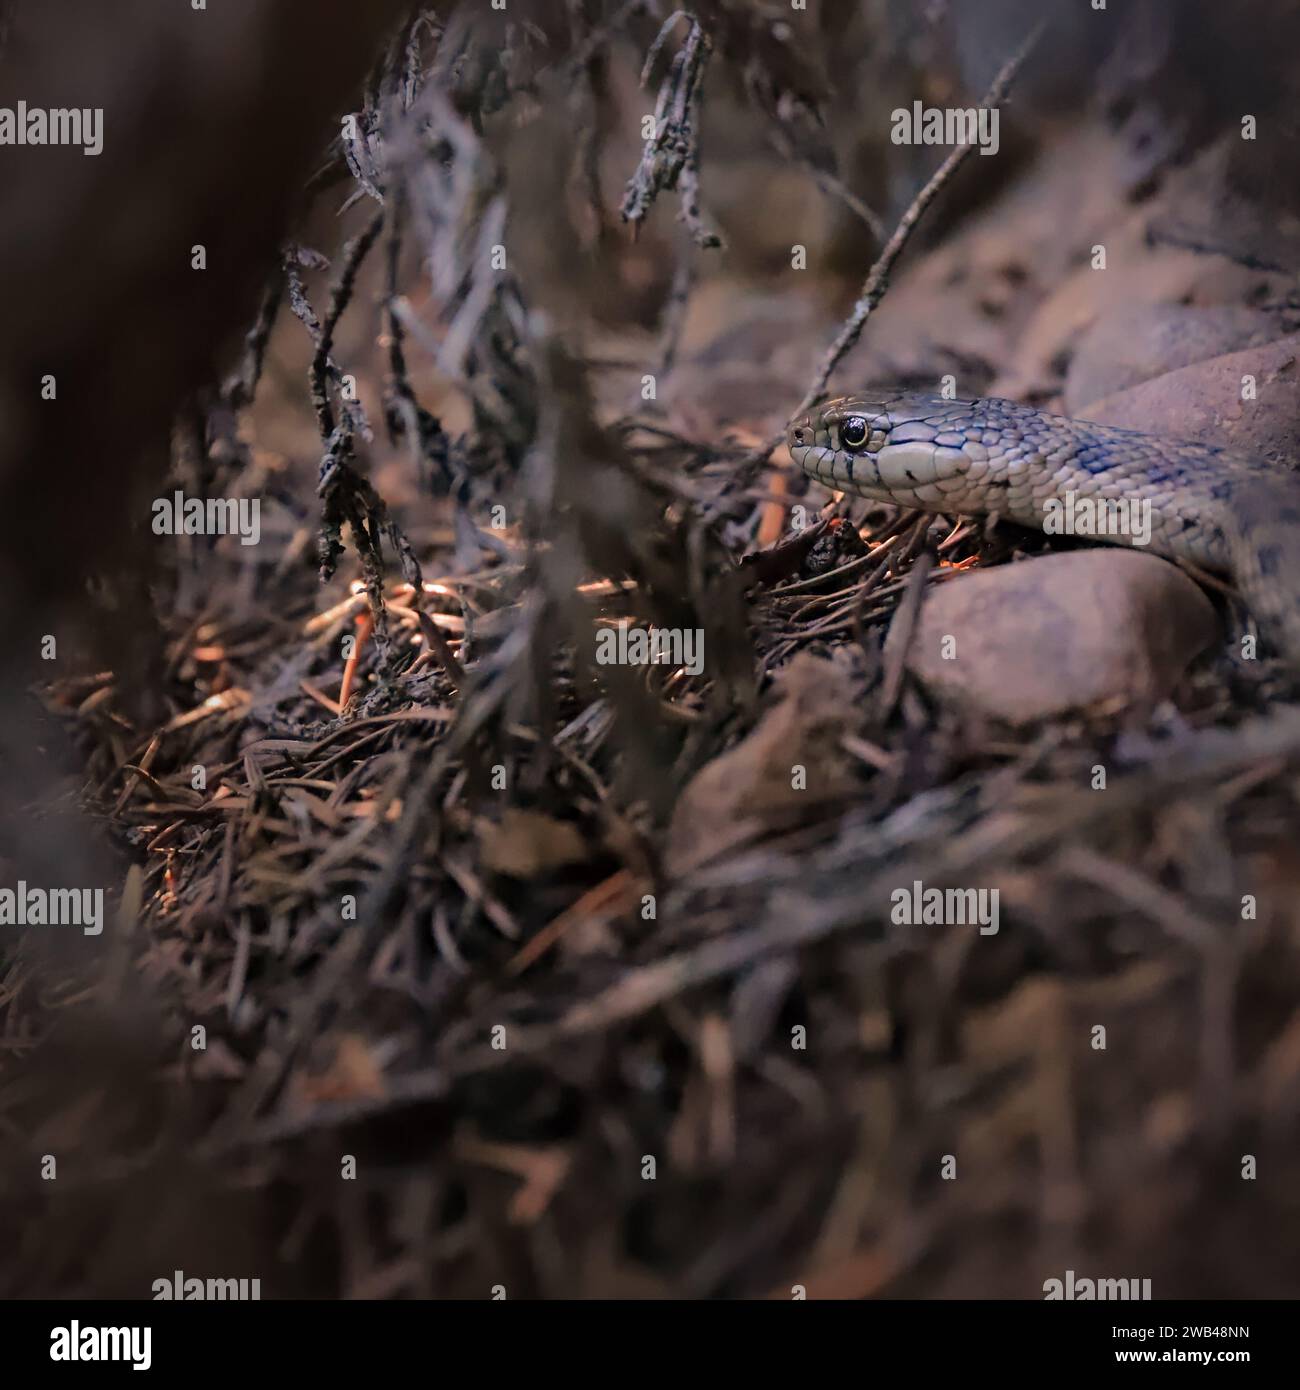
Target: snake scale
1226, 512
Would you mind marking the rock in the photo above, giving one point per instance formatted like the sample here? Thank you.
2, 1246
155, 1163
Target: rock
1137, 275
1061, 632
754, 789
527, 844
1203, 402
1234, 198
1139, 342
739, 378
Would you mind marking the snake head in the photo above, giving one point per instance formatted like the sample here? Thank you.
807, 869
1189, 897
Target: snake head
895, 448
853, 424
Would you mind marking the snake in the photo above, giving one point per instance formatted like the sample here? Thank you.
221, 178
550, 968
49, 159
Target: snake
1225, 512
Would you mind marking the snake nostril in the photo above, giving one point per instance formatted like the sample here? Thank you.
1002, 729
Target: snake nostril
798, 436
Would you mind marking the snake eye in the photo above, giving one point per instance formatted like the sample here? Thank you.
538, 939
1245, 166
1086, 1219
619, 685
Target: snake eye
853, 432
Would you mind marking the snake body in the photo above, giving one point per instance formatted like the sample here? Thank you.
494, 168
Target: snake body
1223, 511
